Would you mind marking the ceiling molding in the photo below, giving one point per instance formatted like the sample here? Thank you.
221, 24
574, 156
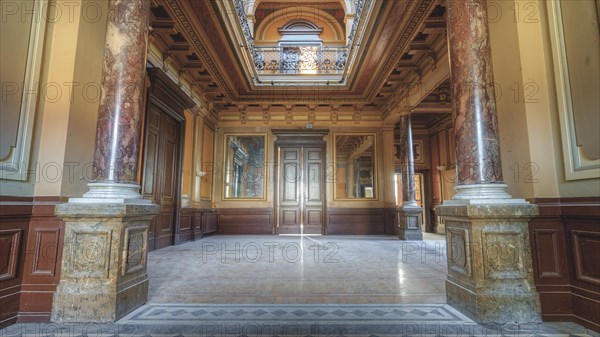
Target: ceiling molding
199, 46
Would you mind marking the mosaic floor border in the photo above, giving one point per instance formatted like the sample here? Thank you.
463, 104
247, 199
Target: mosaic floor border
317, 313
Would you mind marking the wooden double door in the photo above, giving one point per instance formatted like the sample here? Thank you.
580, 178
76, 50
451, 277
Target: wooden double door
161, 178
301, 189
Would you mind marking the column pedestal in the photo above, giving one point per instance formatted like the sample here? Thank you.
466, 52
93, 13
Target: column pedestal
490, 276
410, 218
103, 275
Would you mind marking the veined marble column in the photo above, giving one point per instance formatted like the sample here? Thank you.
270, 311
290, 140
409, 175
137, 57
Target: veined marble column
103, 272
479, 168
118, 129
489, 258
410, 215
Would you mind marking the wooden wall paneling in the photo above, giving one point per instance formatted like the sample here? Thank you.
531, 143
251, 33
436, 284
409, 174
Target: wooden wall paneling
41, 272
356, 221
197, 225
583, 249
12, 240
565, 243
186, 225
210, 222
391, 221
551, 273
15, 215
31, 241
245, 221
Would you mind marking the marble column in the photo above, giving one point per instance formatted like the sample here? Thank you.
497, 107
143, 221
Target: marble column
489, 258
118, 128
410, 215
103, 273
479, 169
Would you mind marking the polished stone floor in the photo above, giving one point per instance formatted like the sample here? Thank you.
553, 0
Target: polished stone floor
267, 286
300, 270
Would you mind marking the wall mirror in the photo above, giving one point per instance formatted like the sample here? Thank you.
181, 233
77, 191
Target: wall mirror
244, 175
355, 166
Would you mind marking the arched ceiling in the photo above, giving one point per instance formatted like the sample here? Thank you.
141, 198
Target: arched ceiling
347, 5
266, 30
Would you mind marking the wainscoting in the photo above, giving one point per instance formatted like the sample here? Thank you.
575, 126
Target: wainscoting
391, 221
340, 221
31, 242
194, 223
565, 242
359, 221
246, 221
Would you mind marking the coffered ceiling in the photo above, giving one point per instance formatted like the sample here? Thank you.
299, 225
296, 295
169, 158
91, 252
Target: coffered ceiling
403, 44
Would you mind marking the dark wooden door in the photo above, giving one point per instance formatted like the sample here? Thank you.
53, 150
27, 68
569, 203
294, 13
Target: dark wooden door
301, 193
160, 178
169, 156
313, 181
151, 169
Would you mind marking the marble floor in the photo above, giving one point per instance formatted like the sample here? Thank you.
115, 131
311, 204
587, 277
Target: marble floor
275, 286
300, 270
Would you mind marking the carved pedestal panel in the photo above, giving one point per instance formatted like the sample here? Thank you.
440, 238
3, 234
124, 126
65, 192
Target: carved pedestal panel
410, 222
490, 275
103, 275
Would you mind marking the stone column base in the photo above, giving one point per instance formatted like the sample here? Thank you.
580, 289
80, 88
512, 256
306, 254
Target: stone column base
103, 273
410, 222
494, 307
490, 276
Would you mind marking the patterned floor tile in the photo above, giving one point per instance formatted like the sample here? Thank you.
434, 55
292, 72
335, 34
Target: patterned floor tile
174, 314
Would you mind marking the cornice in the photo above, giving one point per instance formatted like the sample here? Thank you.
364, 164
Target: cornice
200, 48
420, 14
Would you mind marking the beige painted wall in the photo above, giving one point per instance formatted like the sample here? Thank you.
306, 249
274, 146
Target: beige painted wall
512, 114
567, 188
527, 105
83, 114
52, 113
15, 31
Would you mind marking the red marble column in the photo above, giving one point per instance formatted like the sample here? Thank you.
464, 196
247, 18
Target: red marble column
408, 162
476, 125
121, 107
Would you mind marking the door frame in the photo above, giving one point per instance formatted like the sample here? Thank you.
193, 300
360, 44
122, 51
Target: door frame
300, 138
166, 96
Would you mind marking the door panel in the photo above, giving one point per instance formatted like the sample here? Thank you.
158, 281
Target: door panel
170, 160
289, 184
301, 194
151, 164
313, 207
169, 155
160, 175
